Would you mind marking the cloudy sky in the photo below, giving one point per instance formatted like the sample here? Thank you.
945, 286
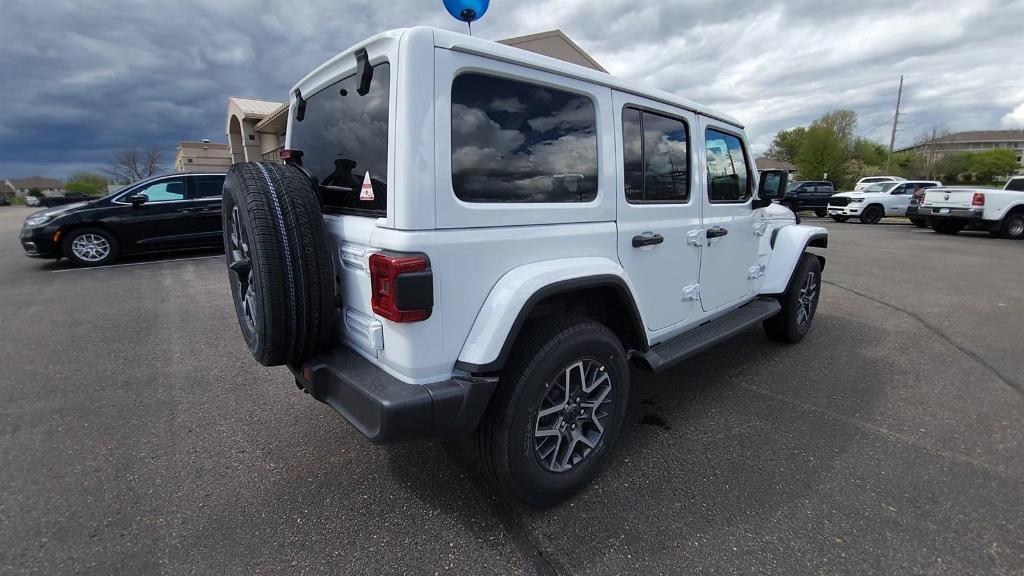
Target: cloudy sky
82, 78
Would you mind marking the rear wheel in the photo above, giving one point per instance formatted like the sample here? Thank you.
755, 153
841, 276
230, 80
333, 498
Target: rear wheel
840, 218
279, 262
821, 213
556, 412
91, 247
948, 227
872, 215
1012, 226
799, 303
919, 222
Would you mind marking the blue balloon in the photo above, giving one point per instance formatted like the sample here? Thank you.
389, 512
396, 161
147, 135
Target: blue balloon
466, 10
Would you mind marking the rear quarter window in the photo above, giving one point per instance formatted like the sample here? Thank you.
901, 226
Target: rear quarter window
1016, 185
515, 141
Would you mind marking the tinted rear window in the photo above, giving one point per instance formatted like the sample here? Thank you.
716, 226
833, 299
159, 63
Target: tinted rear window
209, 186
344, 141
513, 141
1017, 185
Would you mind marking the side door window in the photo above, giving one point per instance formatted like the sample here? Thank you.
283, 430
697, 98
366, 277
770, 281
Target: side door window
656, 161
209, 187
206, 213
728, 178
165, 191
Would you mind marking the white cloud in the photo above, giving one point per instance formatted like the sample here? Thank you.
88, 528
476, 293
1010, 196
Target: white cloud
1014, 119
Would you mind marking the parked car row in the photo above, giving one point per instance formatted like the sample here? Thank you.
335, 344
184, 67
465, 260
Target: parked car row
877, 201
172, 212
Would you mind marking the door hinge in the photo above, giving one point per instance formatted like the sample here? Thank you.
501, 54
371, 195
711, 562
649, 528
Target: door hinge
696, 237
756, 272
691, 292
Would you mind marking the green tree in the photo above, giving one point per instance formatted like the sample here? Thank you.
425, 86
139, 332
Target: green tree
990, 164
950, 167
91, 184
35, 192
910, 165
842, 123
822, 153
869, 152
786, 145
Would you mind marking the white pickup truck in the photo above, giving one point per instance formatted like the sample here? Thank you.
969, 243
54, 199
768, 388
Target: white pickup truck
1001, 212
876, 201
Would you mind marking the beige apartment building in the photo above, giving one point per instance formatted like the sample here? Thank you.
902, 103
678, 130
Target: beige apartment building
202, 157
256, 128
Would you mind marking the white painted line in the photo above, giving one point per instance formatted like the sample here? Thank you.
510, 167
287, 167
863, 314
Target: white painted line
137, 264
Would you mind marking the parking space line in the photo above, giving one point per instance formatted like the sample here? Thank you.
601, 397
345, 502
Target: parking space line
137, 264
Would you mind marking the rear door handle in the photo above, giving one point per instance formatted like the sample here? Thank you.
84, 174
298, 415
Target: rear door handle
647, 240
716, 232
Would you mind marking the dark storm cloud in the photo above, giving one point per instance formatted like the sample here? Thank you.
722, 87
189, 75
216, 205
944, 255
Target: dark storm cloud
84, 78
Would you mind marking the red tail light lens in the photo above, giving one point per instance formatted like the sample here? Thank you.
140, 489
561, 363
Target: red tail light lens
402, 286
978, 200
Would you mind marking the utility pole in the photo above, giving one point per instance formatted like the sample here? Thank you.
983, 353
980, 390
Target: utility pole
895, 121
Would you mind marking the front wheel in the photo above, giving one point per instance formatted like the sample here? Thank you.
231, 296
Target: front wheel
799, 303
91, 247
821, 213
872, 215
556, 412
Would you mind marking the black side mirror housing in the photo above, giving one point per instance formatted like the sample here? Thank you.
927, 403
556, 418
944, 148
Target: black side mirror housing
771, 186
138, 199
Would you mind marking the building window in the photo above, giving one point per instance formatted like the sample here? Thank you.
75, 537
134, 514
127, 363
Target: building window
514, 141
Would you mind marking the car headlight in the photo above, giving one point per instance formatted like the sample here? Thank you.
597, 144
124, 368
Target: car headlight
38, 220
852, 200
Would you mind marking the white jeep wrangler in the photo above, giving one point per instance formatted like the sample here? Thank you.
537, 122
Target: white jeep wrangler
468, 238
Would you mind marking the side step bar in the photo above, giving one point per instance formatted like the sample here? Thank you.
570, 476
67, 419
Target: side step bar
666, 354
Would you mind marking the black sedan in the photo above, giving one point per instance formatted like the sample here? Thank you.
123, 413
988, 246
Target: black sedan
172, 212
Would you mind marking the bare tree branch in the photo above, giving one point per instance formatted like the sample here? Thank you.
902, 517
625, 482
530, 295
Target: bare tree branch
130, 165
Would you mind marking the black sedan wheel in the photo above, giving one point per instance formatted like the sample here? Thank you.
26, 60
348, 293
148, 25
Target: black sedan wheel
90, 247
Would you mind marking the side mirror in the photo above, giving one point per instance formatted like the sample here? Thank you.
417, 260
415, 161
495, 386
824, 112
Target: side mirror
138, 199
770, 186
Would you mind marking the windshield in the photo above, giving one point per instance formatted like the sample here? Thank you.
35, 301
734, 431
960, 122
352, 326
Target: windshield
793, 186
880, 187
343, 137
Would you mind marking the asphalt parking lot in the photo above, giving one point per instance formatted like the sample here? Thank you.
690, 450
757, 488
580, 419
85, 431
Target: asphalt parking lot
138, 436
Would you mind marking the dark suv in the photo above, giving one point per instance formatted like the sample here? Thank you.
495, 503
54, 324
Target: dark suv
809, 195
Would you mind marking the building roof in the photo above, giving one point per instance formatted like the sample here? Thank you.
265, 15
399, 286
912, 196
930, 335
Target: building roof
204, 145
275, 122
253, 107
769, 164
556, 44
973, 136
35, 182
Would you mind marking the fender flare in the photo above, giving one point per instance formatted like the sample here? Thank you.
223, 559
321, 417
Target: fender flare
513, 297
788, 245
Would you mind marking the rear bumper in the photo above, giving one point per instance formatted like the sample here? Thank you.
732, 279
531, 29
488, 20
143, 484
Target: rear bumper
973, 214
385, 409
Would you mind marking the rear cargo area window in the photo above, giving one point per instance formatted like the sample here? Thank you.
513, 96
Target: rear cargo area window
514, 141
343, 136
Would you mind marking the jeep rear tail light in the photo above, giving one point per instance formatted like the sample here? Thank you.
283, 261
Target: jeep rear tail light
978, 200
402, 286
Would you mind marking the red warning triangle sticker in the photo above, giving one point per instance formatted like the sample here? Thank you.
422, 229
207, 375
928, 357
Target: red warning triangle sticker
366, 192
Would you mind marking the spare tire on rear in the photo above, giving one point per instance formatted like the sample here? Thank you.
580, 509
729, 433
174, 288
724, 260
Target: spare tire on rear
279, 262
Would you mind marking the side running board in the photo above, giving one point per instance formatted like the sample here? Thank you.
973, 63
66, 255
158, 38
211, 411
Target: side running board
707, 335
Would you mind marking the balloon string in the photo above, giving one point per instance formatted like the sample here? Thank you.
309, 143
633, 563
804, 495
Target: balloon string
470, 24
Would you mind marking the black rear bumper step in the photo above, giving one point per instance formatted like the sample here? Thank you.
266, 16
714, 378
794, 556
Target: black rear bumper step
385, 409
668, 353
